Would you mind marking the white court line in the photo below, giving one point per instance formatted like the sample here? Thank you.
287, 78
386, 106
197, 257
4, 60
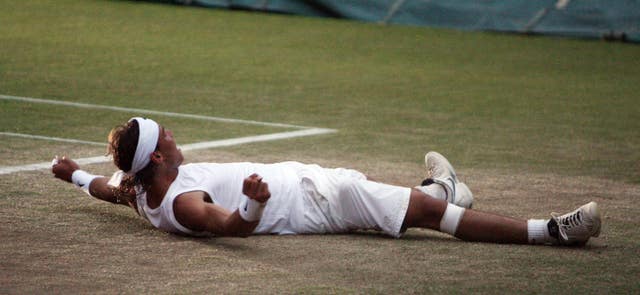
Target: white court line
186, 147
148, 112
306, 131
257, 138
30, 136
47, 165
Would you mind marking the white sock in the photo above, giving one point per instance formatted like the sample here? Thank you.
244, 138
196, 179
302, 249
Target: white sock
538, 232
435, 190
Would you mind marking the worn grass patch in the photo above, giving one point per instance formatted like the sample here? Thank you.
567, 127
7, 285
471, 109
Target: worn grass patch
58, 237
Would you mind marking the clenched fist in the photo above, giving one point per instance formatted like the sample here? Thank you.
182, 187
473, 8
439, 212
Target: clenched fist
254, 188
63, 168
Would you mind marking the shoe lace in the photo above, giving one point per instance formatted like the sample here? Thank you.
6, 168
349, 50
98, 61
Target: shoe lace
568, 221
431, 172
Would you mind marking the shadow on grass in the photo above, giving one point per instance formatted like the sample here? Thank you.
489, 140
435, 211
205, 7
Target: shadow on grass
118, 221
594, 245
227, 243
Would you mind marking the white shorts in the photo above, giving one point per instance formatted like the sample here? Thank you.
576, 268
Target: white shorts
341, 200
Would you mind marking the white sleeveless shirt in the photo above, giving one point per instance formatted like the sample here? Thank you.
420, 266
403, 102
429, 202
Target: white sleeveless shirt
223, 183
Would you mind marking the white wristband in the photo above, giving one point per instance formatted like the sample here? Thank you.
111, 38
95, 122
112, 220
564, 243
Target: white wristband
251, 210
82, 179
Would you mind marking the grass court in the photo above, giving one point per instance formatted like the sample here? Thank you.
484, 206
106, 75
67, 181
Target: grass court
532, 125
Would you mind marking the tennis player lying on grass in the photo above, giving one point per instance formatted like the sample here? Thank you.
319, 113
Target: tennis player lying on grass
240, 199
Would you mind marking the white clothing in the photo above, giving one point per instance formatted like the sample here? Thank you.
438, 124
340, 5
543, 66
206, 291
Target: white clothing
304, 199
340, 200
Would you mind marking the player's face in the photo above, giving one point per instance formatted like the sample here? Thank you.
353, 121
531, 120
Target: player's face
167, 146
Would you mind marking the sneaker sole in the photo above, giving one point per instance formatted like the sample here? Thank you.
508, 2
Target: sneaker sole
595, 213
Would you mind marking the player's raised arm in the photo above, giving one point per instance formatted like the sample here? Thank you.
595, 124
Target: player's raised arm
95, 185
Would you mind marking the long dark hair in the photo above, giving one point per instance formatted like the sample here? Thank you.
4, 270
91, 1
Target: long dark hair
123, 141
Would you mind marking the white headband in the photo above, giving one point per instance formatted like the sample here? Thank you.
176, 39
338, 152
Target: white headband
147, 142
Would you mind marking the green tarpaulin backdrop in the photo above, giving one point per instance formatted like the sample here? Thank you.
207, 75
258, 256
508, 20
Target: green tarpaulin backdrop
614, 19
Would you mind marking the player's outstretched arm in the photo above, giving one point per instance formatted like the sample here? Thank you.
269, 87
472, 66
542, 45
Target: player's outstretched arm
96, 186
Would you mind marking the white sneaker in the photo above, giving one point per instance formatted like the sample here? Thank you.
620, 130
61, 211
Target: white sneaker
464, 196
440, 171
438, 166
575, 228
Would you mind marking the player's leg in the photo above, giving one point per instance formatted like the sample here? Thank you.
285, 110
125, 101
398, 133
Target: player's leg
574, 228
468, 225
485, 227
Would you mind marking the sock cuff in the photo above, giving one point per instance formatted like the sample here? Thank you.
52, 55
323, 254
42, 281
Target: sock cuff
434, 190
537, 231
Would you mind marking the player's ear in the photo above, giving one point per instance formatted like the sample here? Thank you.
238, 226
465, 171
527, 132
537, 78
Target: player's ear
156, 157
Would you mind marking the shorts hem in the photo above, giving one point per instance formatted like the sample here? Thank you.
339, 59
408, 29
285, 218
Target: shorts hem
403, 207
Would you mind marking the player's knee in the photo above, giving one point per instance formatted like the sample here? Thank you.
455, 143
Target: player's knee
424, 211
